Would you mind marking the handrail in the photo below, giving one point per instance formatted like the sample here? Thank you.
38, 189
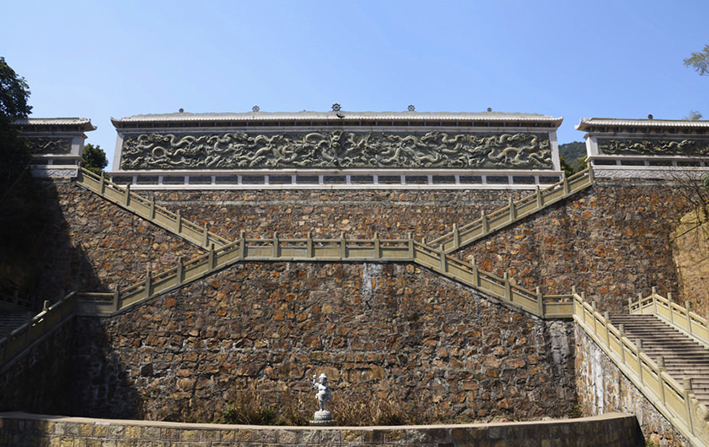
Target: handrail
502, 289
675, 401
147, 209
515, 211
38, 327
682, 318
15, 300
311, 249
248, 250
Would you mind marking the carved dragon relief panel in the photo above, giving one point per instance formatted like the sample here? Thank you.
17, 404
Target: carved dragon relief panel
336, 149
697, 148
50, 145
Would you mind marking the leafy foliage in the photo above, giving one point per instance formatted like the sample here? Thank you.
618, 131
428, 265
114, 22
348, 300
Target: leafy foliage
693, 115
21, 217
699, 61
94, 158
14, 93
573, 157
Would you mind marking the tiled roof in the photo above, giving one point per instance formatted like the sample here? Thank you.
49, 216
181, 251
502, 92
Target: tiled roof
344, 116
589, 124
81, 123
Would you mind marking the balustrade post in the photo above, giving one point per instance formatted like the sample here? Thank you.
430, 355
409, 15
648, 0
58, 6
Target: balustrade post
180, 271
508, 287
639, 350
178, 222
309, 245
475, 273
205, 235
512, 209
276, 245
126, 199
411, 246
343, 245
456, 236
660, 370
540, 199
148, 284
687, 384
630, 305
566, 185
688, 306
621, 330
444, 260
540, 302
116, 303
101, 184
212, 257
152, 207
483, 222
607, 318
590, 174
242, 245
377, 246
593, 314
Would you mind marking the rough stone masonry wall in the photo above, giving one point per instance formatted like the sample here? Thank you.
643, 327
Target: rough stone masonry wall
603, 388
27, 430
389, 331
92, 245
38, 380
357, 213
612, 241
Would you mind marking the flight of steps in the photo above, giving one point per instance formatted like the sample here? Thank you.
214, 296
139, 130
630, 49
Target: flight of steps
11, 320
684, 357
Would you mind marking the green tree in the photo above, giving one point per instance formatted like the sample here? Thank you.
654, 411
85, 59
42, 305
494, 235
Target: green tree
699, 61
94, 158
15, 156
693, 115
21, 215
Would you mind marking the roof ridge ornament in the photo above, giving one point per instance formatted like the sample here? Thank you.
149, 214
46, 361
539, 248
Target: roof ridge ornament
336, 107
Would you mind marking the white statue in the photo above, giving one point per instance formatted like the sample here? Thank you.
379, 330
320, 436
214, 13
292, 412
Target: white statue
323, 395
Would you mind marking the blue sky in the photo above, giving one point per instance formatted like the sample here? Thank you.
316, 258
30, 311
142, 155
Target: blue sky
98, 60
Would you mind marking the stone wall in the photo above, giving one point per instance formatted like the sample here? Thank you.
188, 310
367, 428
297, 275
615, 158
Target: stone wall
357, 213
379, 331
26, 430
39, 379
603, 388
91, 245
612, 241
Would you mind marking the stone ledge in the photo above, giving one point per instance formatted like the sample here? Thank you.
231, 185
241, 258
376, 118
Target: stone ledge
609, 430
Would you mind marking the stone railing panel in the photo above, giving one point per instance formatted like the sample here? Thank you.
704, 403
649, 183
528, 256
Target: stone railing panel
681, 317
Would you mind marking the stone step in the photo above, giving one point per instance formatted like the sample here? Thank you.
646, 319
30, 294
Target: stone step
683, 357
11, 320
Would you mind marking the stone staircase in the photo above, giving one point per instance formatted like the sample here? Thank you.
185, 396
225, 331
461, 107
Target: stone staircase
11, 320
683, 357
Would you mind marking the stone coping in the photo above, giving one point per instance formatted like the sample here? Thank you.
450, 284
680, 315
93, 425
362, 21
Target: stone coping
613, 429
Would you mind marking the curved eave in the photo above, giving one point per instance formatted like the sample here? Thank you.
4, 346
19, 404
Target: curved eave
610, 125
344, 118
51, 124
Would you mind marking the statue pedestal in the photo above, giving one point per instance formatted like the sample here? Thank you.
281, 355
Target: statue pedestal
323, 417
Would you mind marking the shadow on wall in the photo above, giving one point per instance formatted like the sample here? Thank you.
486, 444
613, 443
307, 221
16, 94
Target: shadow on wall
39, 260
37, 257
100, 383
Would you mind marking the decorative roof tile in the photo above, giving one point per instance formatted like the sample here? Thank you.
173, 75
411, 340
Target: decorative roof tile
341, 116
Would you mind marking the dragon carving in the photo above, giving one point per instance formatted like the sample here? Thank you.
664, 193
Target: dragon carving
336, 149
